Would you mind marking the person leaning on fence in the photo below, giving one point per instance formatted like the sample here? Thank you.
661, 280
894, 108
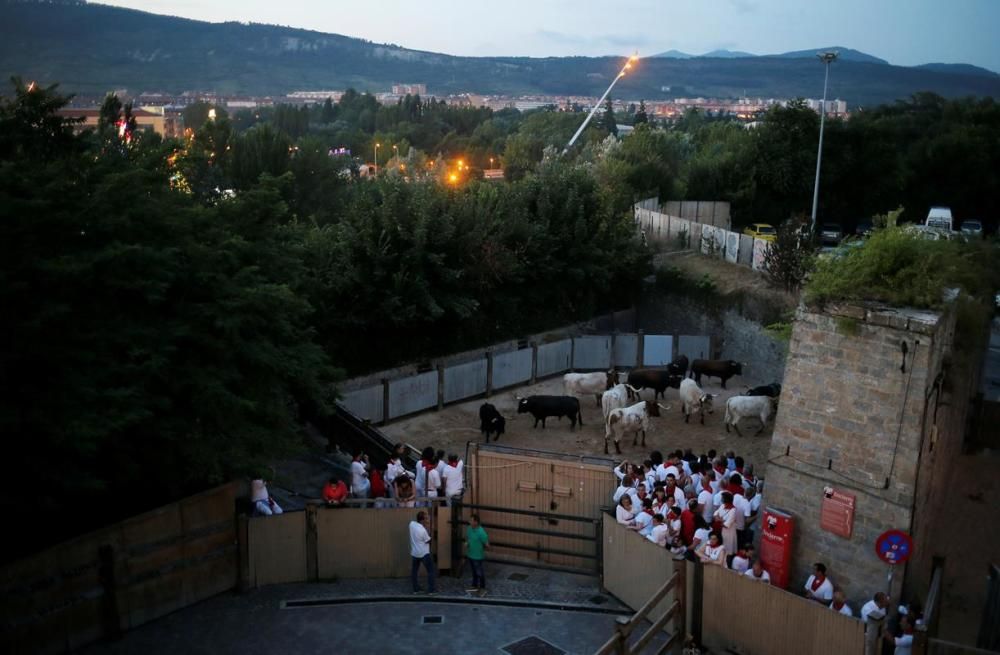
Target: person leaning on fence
757, 573
714, 552
660, 532
875, 608
476, 542
420, 552
393, 470
404, 492
840, 604
454, 479
334, 492
624, 514
263, 504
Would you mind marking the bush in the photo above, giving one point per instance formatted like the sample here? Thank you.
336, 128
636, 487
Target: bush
789, 259
903, 269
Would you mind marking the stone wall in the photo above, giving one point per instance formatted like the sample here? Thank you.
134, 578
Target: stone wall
853, 419
735, 325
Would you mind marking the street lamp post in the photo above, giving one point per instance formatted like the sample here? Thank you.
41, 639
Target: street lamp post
827, 58
376, 157
621, 74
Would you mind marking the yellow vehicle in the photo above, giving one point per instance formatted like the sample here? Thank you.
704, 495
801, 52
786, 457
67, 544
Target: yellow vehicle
762, 231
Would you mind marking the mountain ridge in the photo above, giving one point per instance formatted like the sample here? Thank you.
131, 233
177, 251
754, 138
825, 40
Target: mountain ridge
92, 48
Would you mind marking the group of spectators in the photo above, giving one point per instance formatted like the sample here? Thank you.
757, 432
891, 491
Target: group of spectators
700, 507
435, 475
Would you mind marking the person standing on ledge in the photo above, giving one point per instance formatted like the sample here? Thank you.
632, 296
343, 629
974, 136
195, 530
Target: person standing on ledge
476, 541
420, 552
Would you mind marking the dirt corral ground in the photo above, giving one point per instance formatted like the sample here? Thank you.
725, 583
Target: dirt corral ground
455, 425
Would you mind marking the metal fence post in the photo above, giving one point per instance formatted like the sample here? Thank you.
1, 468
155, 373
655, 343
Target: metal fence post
385, 401
572, 353
640, 348
680, 595
489, 373
534, 362
440, 370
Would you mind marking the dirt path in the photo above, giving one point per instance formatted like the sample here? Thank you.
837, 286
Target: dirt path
454, 426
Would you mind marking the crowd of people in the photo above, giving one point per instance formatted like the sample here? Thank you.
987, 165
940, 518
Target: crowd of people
700, 507
436, 475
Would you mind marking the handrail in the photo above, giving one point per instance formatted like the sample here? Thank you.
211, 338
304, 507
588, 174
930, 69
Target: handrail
528, 512
640, 614
618, 643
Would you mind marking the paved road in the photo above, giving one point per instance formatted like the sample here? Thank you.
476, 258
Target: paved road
563, 610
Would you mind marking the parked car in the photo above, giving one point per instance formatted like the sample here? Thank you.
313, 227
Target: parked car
939, 217
972, 228
831, 234
761, 231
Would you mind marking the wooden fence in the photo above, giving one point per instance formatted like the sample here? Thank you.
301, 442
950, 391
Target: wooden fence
758, 619
346, 542
122, 576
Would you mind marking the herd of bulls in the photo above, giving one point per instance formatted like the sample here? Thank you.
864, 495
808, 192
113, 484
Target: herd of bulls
622, 418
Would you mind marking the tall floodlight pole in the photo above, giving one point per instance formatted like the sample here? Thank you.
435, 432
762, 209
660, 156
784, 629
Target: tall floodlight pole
827, 58
376, 157
621, 74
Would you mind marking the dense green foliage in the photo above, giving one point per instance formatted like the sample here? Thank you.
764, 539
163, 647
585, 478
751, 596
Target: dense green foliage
53, 42
902, 268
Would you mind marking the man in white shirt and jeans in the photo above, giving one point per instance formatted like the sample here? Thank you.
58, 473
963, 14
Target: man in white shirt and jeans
420, 552
454, 479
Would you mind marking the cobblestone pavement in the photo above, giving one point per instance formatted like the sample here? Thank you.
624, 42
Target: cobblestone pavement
567, 611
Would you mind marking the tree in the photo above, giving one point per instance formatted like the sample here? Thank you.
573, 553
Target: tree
608, 122
640, 115
790, 258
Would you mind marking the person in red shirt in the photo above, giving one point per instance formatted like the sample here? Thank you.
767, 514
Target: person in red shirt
687, 522
334, 492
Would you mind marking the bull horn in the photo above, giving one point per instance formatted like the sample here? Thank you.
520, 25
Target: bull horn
665, 408
517, 397
631, 387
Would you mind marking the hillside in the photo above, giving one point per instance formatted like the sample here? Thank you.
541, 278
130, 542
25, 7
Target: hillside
95, 48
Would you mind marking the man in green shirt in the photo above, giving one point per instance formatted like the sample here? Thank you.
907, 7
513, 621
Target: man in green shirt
476, 542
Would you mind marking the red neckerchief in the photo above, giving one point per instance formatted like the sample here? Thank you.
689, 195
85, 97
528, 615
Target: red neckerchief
838, 606
735, 489
818, 581
648, 511
453, 464
718, 470
706, 484
429, 466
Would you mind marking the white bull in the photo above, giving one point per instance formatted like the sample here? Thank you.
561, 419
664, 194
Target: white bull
739, 407
634, 419
589, 383
693, 399
613, 398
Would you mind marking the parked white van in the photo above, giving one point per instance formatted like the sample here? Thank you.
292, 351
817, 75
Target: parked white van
939, 217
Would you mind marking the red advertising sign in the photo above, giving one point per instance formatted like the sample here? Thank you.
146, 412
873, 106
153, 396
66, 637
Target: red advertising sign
776, 545
837, 512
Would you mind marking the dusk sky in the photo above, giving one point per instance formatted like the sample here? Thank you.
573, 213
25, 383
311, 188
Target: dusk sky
905, 32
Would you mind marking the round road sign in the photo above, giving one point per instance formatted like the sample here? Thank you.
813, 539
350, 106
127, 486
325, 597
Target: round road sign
894, 546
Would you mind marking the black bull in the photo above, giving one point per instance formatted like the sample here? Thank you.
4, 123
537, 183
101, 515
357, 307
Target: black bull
542, 407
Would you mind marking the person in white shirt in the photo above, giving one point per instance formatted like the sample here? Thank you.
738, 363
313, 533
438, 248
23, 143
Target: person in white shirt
757, 572
622, 470
875, 608
840, 604
903, 636
359, 475
420, 552
706, 505
392, 471
701, 533
714, 552
674, 521
671, 489
261, 499
658, 535
624, 514
741, 562
644, 519
433, 480
818, 587
454, 479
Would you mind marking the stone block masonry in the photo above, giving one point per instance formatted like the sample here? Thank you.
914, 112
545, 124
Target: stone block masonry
853, 416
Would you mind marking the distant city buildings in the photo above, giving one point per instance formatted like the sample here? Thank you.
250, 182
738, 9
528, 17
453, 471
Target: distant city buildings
409, 89
153, 118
